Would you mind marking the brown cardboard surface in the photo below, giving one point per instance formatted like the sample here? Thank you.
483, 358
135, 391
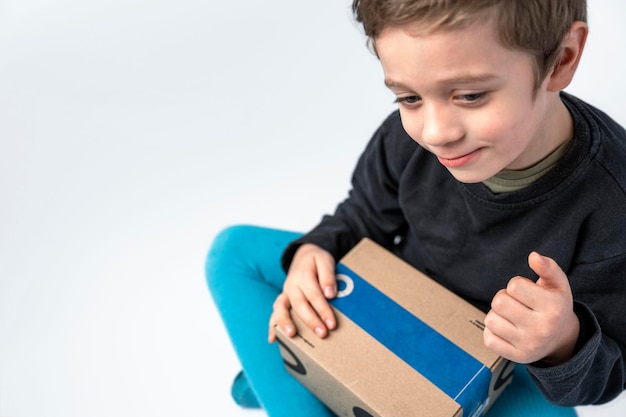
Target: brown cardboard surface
357, 376
422, 296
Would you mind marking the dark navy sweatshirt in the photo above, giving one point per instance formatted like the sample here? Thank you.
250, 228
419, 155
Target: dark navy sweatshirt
474, 241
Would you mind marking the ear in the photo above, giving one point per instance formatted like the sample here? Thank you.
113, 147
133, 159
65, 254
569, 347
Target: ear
571, 51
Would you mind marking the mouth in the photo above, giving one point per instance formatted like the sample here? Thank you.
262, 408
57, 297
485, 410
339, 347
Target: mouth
458, 161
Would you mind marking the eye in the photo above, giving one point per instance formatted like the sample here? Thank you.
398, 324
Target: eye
471, 98
409, 100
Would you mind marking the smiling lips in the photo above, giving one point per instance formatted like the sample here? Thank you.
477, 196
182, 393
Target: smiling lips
458, 161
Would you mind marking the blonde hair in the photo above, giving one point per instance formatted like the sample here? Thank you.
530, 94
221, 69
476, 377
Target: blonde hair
534, 26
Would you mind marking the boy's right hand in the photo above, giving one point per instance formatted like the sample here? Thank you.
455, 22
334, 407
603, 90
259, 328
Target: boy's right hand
309, 285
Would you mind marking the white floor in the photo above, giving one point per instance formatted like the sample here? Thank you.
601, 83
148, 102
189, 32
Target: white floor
130, 133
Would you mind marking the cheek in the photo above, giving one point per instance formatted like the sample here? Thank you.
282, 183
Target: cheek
518, 117
500, 128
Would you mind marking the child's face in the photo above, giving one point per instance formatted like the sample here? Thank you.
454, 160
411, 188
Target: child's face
470, 101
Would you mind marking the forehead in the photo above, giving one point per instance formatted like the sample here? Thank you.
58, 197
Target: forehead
471, 53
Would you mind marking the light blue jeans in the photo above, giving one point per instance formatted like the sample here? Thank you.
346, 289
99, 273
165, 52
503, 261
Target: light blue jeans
244, 277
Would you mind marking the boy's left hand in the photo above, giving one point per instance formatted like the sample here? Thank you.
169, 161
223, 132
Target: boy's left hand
534, 321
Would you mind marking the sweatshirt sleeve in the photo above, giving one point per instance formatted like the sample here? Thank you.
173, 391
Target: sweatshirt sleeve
371, 208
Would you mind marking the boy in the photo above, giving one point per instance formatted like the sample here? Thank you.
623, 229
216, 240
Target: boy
490, 180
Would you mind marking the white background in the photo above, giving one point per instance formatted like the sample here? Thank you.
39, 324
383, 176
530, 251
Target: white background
131, 132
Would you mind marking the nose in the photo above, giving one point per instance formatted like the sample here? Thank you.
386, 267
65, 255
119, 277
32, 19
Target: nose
440, 125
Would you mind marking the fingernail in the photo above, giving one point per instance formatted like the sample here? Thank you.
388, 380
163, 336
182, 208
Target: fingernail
329, 323
329, 292
288, 329
542, 260
319, 331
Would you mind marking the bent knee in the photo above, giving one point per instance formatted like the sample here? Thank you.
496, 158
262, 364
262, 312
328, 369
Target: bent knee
226, 251
231, 237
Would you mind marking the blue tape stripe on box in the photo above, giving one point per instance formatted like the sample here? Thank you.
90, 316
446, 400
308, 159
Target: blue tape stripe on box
454, 371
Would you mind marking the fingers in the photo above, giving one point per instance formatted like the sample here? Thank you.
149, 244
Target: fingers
310, 311
498, 344
280, 317
313, 309
551, 276
520, 289
550, 288
531, 321
310, 283
505, 311
327, 282
503, 329
326, 277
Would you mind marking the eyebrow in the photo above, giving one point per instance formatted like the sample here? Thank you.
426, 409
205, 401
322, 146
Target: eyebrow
458, 79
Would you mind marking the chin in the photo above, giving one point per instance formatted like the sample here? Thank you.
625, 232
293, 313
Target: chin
472, 177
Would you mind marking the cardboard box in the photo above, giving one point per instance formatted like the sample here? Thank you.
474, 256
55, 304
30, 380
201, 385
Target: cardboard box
405, 346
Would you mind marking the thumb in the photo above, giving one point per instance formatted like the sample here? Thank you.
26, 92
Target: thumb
551, 276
